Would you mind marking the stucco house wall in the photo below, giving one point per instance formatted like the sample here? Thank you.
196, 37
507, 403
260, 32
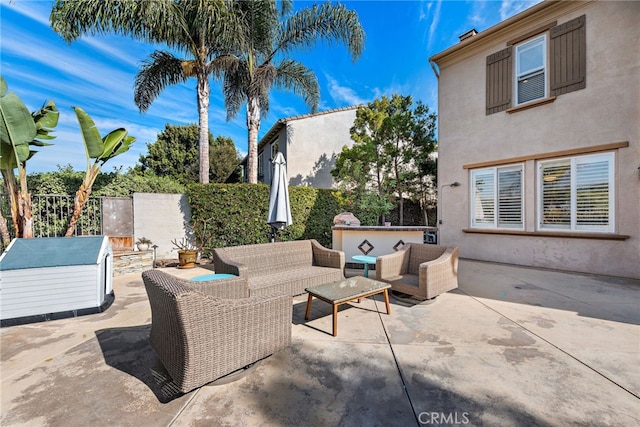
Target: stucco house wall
306, 141
604, 116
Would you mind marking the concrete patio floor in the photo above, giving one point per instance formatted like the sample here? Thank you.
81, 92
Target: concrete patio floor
512, 346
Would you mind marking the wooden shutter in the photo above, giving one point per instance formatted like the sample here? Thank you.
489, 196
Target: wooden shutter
499, 76
568, 48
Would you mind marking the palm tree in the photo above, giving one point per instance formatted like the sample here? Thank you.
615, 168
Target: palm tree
194, 28
259, 63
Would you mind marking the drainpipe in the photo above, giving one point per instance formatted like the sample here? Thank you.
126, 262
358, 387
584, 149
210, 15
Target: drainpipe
434, 67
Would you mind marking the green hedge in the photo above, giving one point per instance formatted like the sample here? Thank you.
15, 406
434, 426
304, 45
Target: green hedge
236, 214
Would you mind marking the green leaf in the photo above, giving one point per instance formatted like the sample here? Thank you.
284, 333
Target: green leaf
126, 143
16, 125
47, 116
3, 86
111, 141
38, 143
93, 144
7, 157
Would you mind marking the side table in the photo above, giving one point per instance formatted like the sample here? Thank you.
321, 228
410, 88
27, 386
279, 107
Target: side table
366, 260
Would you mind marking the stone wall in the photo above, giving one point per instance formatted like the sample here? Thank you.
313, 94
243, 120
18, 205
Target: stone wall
132, 262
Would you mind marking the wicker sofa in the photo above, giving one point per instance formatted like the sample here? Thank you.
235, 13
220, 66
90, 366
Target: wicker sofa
203, 331
281, 268
421, 270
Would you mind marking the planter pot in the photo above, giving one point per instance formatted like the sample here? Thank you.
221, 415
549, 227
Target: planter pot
187, 259
142, 246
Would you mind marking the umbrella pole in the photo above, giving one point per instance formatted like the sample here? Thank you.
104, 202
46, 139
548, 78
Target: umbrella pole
273, 234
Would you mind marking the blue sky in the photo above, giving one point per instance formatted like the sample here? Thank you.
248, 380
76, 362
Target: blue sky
97, 73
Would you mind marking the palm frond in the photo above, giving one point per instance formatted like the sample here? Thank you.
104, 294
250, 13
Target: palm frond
294, 76
259, 22
223, 63
234, 87
143, 19
159, 70
327, 22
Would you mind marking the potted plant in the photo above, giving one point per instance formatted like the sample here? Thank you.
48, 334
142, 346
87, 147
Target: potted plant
143, 244
187, 252
197, 240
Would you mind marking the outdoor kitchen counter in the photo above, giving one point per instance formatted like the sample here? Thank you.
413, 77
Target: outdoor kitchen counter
376, 240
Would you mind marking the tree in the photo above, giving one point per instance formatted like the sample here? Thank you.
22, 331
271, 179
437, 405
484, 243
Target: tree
392, 150
258, 61
196, 28
101, 150
408, 138
20, 130
225, 160
175, 154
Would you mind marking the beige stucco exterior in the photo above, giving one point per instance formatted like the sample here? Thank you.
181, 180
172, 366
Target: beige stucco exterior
606, 112
304, 140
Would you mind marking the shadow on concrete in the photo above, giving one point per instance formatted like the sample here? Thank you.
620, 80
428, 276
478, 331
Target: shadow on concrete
127, 349
599, 297
350, 385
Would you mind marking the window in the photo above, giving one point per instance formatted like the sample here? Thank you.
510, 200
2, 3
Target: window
531, 60
261, 166
576, 194
522, 69
497, 197
275, 144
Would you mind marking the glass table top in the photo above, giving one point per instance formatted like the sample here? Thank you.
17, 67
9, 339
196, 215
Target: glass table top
347, 289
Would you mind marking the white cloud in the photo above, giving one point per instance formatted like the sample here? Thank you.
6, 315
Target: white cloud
342, 94
478, 16
434, 24
508, 8
27, 9
425, 7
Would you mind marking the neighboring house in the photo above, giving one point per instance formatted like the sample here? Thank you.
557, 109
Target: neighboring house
539, 120
309, 143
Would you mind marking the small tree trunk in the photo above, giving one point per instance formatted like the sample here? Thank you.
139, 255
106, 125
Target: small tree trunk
203, 121
401, 210
4, 231
253, 124
11, 186
25, 205
82, 195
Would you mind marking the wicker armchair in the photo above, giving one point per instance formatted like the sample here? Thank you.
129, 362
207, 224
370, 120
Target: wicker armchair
200, 337
420, 270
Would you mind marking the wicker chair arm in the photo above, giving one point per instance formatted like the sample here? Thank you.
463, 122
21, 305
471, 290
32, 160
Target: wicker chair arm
223, 264
325, 257
440, 271
392, 264
233, 288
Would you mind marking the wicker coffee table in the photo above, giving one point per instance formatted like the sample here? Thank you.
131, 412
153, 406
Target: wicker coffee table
351, 289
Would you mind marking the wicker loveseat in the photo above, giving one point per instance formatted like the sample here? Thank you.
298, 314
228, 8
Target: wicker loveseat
421, 270
281, 268
203, 331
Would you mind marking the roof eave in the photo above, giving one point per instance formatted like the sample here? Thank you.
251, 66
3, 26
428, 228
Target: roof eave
492, 30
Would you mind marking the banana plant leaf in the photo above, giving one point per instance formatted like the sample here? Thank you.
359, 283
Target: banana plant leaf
17, 128
116, 143
93, 144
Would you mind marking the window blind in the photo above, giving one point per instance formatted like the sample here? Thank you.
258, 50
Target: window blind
556, 195
497, 198
577, 193
592, 193
510, 198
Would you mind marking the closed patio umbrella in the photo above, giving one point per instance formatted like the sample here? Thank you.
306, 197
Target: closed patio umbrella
279, 210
